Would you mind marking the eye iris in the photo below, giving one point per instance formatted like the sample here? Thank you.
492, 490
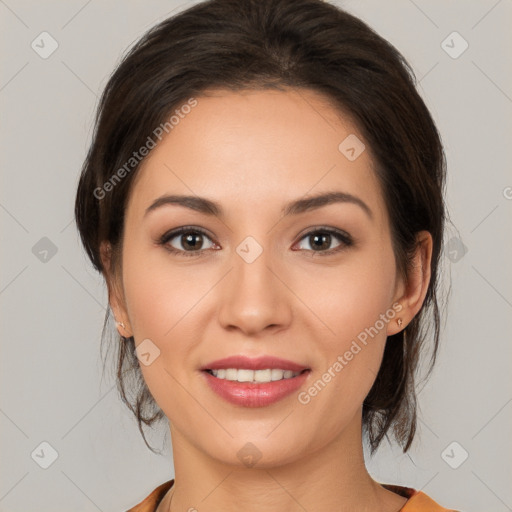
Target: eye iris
189, 240
323, 237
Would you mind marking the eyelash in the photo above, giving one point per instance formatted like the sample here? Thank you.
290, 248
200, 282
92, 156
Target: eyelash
343, 237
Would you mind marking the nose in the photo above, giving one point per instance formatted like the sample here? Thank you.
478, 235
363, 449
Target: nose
254, 297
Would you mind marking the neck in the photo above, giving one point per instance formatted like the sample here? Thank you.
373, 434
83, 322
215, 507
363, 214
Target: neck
332, 478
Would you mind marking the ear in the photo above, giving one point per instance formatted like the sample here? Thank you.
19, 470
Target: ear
115, 291
411, 293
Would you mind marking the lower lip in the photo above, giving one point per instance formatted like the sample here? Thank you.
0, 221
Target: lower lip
250, 394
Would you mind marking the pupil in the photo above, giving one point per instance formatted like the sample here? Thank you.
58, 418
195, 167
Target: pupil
189, 240
323, 238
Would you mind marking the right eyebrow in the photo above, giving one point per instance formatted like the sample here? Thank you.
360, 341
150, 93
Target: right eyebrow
196, 203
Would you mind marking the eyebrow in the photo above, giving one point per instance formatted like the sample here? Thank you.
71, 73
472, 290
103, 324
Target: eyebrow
209, 207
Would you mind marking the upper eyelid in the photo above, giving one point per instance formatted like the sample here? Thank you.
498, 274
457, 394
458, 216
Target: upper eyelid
170, 235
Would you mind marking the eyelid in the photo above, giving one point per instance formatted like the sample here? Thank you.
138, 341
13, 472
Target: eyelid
326, 229
173, 233
346, 240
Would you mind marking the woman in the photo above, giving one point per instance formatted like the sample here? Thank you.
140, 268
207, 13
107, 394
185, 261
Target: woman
264, 197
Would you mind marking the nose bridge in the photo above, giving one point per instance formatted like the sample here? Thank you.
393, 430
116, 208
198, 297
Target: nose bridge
253, 280
254, 297
251, 263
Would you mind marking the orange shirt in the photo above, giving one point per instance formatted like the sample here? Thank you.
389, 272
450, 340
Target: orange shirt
417, 500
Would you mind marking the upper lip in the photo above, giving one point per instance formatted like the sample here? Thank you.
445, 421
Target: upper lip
254, 363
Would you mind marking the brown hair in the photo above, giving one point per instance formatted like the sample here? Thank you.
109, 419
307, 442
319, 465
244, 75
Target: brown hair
257, 44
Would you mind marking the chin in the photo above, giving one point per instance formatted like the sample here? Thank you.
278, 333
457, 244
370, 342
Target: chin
256, 452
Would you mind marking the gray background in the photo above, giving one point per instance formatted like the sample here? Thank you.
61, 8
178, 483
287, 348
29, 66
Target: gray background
52, 305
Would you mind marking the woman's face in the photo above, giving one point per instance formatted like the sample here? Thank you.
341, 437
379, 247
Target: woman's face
259, 278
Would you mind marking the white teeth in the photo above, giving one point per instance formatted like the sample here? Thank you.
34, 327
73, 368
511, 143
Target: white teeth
243, 375
277, 374
263, 375
231, 374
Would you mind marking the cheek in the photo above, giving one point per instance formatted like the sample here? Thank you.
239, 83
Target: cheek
351, 297
164, 302
356, 305
160, 299
159, 293
351, 357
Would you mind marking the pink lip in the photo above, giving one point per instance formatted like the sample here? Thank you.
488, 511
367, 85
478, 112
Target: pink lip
257, 363
249, 394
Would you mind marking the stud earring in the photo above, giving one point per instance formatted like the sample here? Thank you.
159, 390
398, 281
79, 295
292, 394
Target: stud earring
399, 322
121, 324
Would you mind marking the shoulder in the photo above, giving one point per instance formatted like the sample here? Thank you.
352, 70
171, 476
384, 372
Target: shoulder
417, 501
151, 501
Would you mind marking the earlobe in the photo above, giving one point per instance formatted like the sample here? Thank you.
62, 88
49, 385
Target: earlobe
396, 325
122, 330
416, 285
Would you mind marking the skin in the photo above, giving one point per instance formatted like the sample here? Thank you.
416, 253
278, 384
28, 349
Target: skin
253, 152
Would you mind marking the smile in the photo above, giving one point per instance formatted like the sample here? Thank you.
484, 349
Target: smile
254, 388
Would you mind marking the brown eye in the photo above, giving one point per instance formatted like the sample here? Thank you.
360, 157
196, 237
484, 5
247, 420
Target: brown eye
191, 241
321, 240
186, 240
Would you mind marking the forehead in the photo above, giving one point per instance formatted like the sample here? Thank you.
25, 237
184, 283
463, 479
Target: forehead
242, 148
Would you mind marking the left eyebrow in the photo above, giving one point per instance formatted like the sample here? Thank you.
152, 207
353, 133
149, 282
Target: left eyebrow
209, 207
314, 202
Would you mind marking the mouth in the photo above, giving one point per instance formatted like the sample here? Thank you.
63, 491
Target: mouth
254, 382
